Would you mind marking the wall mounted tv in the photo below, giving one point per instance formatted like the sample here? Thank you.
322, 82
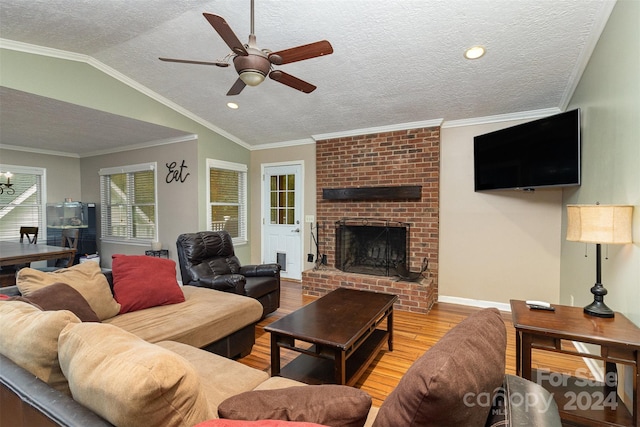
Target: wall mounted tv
540, 153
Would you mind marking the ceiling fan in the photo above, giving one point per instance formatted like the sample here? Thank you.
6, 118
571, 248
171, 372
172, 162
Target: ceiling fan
254, 64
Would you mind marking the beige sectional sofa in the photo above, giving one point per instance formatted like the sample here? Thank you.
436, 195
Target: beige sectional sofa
97, 374
59, 370
220, 322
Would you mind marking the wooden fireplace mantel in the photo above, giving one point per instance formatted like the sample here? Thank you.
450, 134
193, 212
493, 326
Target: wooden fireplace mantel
403, 192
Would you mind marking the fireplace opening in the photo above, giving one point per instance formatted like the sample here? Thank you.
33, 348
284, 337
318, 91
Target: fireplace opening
371, 246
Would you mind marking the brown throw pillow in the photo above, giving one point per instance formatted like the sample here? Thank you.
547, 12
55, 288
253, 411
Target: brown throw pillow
61, 296
332, 405
86, 278
467, 361
260, 423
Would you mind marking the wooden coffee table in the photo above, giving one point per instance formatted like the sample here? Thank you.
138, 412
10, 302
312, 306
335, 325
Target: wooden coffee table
341, 336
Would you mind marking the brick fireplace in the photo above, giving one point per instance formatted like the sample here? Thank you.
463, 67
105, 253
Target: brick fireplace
407, 158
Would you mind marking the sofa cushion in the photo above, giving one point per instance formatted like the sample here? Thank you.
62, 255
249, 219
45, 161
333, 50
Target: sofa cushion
29, 337
467, 361
261, 423
334, 405
206, 316
141, 281
220, 377
128, 381
61, 296
86, 278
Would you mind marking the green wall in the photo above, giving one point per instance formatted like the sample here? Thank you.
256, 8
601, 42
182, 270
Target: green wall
609, 97
79, 82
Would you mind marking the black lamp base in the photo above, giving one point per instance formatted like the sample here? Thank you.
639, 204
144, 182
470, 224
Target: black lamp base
598, 308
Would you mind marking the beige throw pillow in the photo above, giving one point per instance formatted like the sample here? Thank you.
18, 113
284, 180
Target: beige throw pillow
86, 278
29, 337
128, 381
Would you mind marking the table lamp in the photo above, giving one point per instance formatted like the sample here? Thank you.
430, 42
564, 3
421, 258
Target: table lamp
599, 224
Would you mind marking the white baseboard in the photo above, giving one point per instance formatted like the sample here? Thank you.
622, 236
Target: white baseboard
475, 303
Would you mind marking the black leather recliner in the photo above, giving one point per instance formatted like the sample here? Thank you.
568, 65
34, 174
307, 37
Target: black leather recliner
207, 259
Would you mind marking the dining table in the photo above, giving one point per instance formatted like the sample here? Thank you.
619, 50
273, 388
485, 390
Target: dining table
14, 253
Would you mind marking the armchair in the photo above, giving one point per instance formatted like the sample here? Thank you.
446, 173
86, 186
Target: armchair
207, 259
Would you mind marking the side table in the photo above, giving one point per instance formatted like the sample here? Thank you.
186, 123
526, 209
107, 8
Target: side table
580, 401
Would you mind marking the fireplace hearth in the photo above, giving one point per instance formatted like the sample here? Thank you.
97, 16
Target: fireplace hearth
371, 246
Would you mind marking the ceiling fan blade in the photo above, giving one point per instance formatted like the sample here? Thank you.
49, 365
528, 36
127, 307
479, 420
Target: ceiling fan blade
236, 88
301, 53
187, 61
291, 81
224, 30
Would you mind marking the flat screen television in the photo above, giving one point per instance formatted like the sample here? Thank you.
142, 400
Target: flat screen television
540, 153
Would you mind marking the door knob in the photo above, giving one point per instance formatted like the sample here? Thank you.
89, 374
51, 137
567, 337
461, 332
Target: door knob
297, 230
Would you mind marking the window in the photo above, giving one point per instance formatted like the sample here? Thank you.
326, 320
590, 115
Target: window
282, 193
227, 194
22, 202
128, 198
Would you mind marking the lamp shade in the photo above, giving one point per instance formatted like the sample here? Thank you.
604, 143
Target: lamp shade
607, 224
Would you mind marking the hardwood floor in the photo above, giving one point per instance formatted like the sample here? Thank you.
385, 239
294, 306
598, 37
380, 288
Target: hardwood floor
413, 335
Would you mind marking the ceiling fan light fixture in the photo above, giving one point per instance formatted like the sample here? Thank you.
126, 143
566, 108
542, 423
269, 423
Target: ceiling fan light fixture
474, 52
252, 77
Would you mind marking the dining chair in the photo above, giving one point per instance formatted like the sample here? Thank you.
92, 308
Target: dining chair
8, 272
31, 233
69, 239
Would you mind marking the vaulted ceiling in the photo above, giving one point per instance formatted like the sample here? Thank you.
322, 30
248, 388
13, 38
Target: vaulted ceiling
394, 62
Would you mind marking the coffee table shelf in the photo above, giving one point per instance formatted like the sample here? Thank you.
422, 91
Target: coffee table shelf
310, 369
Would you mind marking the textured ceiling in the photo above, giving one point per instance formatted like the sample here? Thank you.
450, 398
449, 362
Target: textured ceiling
394, 62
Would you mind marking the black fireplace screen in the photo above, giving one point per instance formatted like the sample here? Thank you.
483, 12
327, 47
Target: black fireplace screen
371, 246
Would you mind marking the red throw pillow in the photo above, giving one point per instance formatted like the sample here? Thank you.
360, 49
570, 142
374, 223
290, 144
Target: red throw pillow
141, 281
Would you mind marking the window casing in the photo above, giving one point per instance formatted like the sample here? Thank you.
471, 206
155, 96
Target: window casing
24, 204
128, 200
227, 198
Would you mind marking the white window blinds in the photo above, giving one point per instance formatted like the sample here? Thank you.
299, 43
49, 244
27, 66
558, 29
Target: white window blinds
128, 198
22, 201
227, 195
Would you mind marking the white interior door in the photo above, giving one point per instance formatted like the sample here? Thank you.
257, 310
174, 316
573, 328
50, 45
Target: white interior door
282, 212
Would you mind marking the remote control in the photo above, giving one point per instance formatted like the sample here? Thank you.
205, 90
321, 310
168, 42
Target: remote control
541, 307
541, 303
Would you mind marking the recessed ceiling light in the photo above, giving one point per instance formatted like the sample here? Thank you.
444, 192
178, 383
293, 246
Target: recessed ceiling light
232, 105
474, 52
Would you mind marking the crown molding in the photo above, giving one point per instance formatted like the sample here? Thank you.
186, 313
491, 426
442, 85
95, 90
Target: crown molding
39, 151
283, 144
140, 145
585, 55
523, 115
41, 50
379, 129
61, 54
